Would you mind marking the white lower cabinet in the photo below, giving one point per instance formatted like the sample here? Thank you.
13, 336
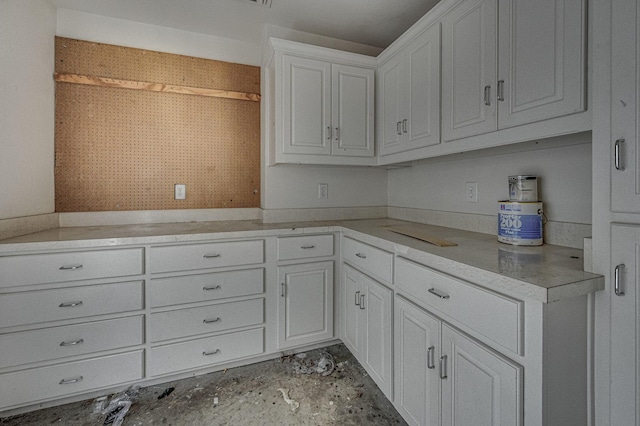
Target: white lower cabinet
367, 327
305, 303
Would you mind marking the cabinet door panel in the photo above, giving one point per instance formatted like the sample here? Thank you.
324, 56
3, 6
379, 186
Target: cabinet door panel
625, 97
353, 111
306, 106
352, 334
541, 60
417, 385
469, 55
625, 325
390, 89
305, 303
482, 388
377, 312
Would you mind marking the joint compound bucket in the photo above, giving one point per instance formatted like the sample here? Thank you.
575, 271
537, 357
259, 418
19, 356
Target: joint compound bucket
520, 224
523, 188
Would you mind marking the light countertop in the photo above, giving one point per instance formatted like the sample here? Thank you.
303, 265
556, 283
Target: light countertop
546, 273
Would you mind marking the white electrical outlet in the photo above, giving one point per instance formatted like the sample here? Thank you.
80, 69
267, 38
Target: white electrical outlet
180, 191
323, 191
471, 192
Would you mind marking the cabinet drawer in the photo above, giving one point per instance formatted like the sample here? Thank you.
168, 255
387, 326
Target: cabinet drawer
206, 319
202, 256
495, 316
65, 379
71, 266
59, 342
305, 246
205, 352
70, 302
200, 288
368, 259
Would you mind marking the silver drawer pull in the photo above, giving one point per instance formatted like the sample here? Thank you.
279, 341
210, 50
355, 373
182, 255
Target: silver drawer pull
616, 280
211, 256
209, 321
70, 267
357, 302
362, 302
361, 256
307, 247
616, 155
437, 293
431, 362
216, 352
72, 343
443, 367
69, 381
70, 304
212, 287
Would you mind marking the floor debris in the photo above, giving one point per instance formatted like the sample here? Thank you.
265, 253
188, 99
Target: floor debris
324, 366
166, 392
293, 403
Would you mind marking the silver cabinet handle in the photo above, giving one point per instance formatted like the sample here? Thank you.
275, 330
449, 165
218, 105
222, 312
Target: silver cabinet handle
398, 130
211, 287
616, 155
616, 280
282, 289
501, 90
404, 126
443, 367
70, 304
69, 381
337, 134
431, 362
357, 302
211, 256
361, 256
328, 132
70, 267
209, 321
361, 301
216, 352
72, 342
487, 95
437, 293
307, 247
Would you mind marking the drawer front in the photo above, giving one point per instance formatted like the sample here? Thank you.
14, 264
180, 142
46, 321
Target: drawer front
71, 302
368, 259
495, 316
206, 319
204, 352
65, 379
305, 246
71, 340
200, 288
202, 256
70, 266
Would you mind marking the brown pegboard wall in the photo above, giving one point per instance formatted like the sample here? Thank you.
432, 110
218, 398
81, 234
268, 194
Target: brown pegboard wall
122, 149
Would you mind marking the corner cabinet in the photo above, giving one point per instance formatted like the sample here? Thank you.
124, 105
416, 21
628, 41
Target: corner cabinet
322, 102
507, 63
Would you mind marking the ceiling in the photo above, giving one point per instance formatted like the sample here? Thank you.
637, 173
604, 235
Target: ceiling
373, 22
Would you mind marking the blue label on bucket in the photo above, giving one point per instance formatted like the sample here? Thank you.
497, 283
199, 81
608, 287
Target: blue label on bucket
528, 227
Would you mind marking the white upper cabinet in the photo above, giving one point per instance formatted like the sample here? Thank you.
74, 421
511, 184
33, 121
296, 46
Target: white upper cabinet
469, 66
409, 89
625, 97
511, 62
324, 106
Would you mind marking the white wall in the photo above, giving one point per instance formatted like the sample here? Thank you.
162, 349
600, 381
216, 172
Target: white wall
564, 178
27, 29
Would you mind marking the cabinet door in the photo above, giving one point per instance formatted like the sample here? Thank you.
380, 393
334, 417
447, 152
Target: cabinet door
377, 310
352, 328
541, 60
305, 305
625, 97
391, 78
479, 387
353, 111
625, 325
469, 67
306, 106
422, 127
416, 349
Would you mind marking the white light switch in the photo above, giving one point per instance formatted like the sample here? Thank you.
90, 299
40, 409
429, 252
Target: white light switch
180, 191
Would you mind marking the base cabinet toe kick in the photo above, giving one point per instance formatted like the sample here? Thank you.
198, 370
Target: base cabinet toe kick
444, 349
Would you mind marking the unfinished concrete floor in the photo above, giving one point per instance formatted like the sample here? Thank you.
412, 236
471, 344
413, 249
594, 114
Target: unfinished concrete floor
248, 396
